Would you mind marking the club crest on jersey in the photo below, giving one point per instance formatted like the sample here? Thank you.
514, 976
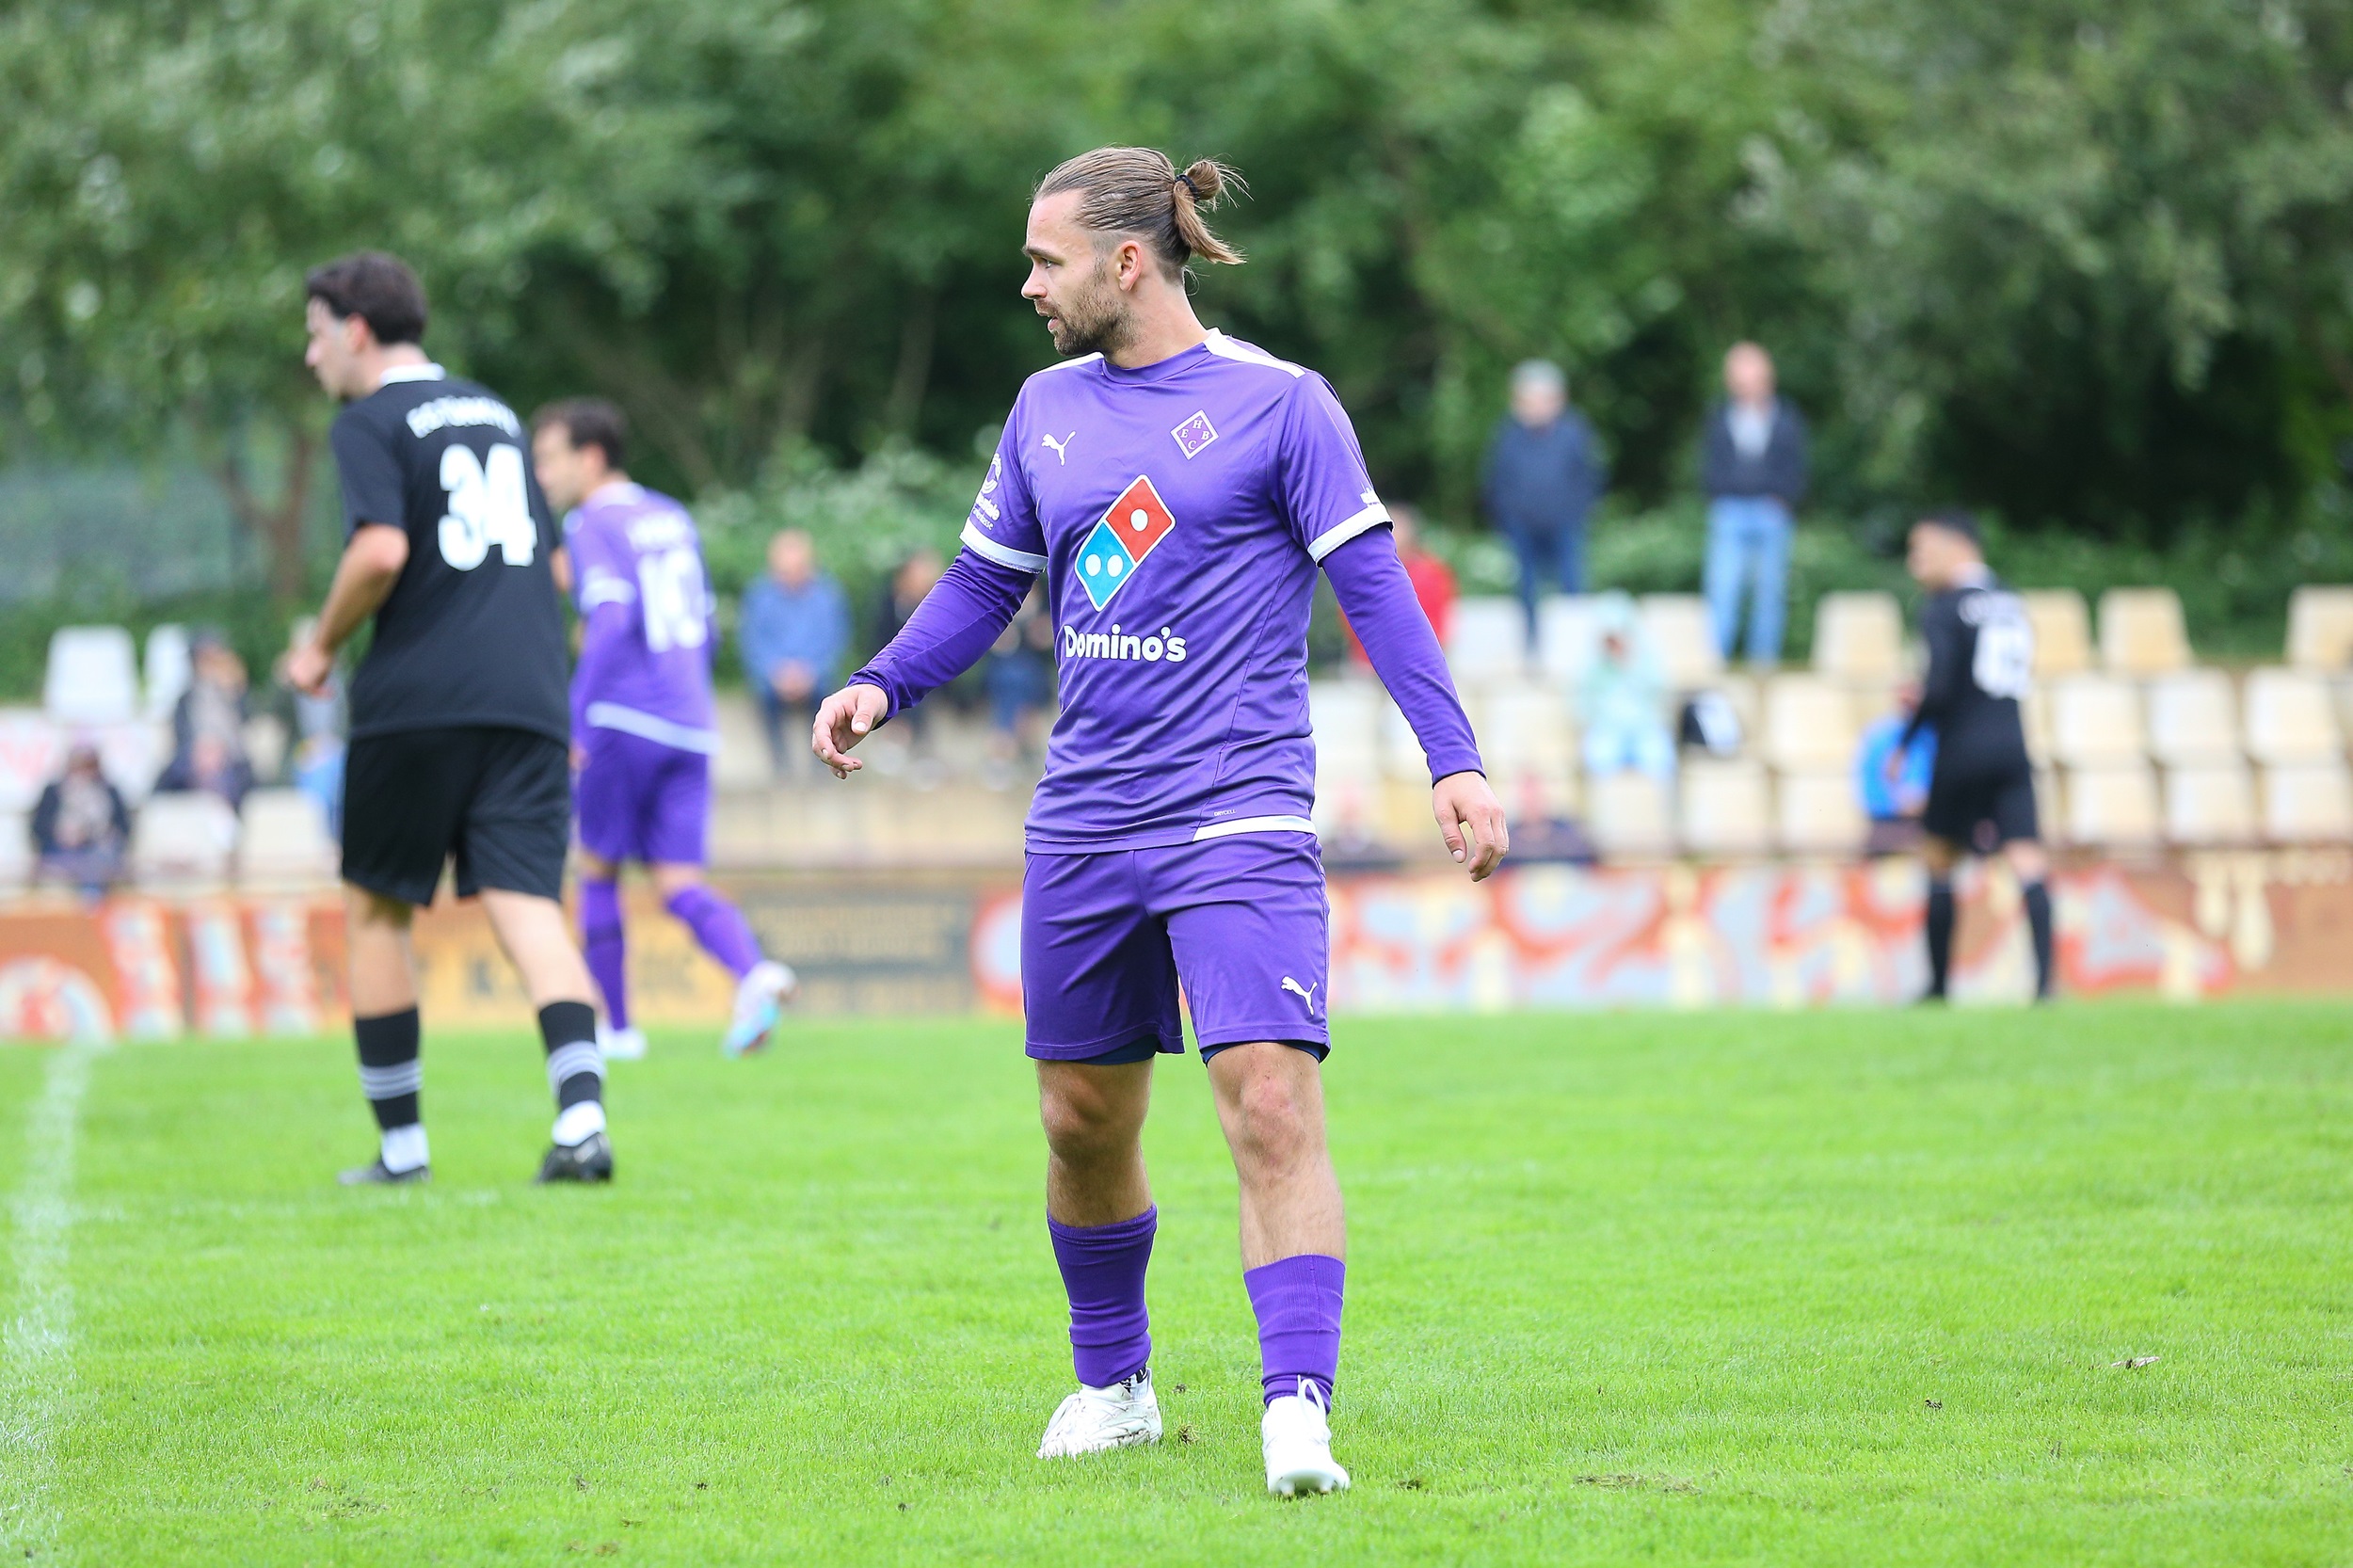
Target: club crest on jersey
1137, 522
1194, 433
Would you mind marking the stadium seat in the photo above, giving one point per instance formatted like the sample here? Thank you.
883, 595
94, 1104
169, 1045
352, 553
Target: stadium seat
1726, 808
1816, 813
1629, 814
2113, 803
2141, 631
2290, 718
2209, 802
168, 668
1859, 638
2308, 803
16, 850
743, 759
1566, 633
1486, 638
2193, 719
2320, 628
94, 676
285, 839
180, 838
1809, 724
1346, 717
1525, 726
2096, 721
2034, 716
2062, 632
1682, 633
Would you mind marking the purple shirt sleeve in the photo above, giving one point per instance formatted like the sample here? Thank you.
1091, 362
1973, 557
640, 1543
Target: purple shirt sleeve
966, 612
1379, 600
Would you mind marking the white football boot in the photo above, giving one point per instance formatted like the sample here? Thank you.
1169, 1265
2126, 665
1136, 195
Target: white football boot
620, 1045
1094, 1419
1297, 1434
759, 1004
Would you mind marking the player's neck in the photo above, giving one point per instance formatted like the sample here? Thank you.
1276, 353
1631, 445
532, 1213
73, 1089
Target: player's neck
614, 479
390, 357
1160, 330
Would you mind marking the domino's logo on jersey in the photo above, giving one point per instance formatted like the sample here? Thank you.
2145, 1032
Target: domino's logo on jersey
1137, 522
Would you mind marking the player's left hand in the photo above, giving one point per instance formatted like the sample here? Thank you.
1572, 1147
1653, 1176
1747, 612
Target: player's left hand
308, 667
844, 719
1471, 821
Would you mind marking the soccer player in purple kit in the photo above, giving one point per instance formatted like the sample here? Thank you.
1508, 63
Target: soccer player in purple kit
642, 728
1180, 490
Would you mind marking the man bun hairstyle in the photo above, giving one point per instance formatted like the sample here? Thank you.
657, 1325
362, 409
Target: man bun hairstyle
1137, 191
378, 288
589, 422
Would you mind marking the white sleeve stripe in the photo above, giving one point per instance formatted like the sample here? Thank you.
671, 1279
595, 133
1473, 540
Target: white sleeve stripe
1340, 532
1004, 556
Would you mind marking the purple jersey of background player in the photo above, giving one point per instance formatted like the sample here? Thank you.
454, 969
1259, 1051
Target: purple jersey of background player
646, 638
1180, 511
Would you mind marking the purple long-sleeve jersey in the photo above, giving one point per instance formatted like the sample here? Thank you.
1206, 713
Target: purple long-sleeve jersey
1179, 512
645, 650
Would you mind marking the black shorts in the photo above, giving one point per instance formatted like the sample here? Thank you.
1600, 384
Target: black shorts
1978, 812
500, 800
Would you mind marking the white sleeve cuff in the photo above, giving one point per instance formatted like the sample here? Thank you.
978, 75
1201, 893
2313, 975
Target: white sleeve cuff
1004, 556
1340, 532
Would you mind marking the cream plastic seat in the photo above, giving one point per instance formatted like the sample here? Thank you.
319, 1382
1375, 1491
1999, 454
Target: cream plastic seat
2062, 632
285, 839
2114, 803
2096, 721
1567, 628
1629, 814
2320, 628
1525, 726
16, 850
1682, 633
1809, 723
2034, 717
2193, 719
2210, 802
1726, 807
1859, 638
1486, 639
2308, 803
2141, 631
92, 677
2290, 718
1816, 813
182, 837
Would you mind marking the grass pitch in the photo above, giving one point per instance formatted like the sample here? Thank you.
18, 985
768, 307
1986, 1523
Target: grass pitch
1724, 1289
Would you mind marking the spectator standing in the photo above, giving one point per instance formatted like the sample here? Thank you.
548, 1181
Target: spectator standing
1894, 802
1754, 467
1544, 473
1622, 698
81, 828
793, 631
1431, 577
208, 726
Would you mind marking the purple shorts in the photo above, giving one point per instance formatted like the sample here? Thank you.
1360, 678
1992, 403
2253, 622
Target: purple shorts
636, 799
1108, 936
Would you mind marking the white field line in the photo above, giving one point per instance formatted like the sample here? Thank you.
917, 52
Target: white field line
36, 1354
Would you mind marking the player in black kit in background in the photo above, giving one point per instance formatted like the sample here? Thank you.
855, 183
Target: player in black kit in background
460, 723
1982, 791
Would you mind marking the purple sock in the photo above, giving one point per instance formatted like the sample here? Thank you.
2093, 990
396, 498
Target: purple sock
718, 925
1297, 1303
1102, 1271
607, 949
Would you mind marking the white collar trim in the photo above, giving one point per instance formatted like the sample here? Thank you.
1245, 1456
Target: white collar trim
413, 373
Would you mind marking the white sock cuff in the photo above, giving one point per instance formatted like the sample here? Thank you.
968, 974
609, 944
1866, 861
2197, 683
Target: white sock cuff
578, 1122
404, 1147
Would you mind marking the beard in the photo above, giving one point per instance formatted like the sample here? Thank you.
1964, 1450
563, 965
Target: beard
1094, 320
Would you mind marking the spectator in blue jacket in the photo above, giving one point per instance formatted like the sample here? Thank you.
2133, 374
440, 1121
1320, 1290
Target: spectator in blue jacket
1894, 800
1544, 473
793, 631
1754, 467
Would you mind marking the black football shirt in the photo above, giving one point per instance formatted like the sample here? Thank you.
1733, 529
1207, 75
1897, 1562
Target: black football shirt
473, 633
1980, 664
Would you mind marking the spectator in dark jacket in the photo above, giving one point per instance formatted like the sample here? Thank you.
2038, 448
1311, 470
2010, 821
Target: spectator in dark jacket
1544, 473
1754, 467
81, 828
208, 726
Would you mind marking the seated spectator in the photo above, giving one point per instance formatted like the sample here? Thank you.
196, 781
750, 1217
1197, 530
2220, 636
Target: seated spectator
208, 725
1623, 697
81, 828
901, 591
317, 723
1893, 798
1431, 577
793, 631
1019, 679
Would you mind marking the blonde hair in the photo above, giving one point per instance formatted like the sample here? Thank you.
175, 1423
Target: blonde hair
1138, 191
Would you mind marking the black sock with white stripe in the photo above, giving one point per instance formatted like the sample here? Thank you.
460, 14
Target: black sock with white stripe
575, 1069
393, 1078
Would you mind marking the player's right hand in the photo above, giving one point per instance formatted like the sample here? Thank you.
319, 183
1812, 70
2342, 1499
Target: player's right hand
308, 667
844, 719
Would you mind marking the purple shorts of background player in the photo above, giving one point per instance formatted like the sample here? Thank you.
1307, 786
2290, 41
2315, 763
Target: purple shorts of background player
1108, 936
640, 800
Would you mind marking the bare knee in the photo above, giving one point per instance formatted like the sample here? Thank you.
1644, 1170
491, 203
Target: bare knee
669, 880
1272, 1119
1087, 1120
2028, 861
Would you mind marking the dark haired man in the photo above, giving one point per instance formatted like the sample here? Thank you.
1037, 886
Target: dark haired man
1982, 789
642, 727
458, 723
1179, 489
